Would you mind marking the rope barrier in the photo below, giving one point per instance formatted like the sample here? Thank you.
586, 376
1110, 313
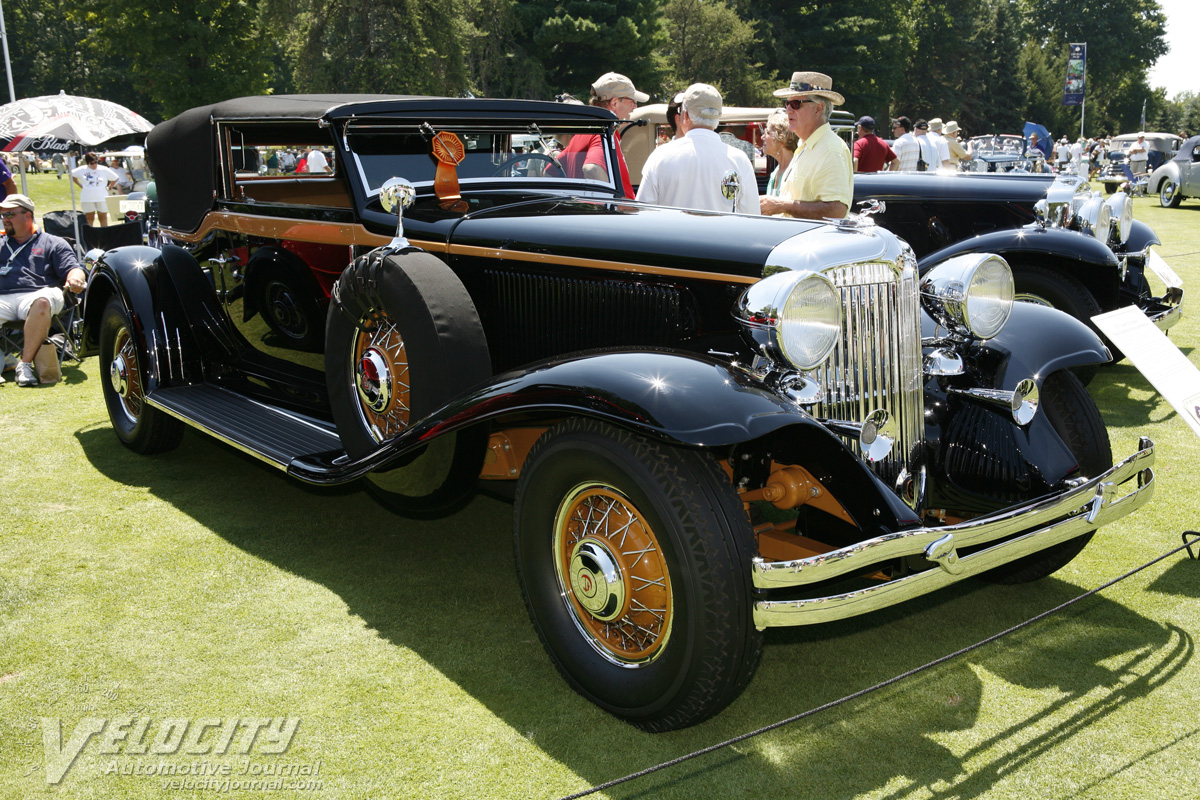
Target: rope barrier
1187, 545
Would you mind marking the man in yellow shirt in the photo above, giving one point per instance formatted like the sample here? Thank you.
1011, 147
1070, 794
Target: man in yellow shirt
818, 182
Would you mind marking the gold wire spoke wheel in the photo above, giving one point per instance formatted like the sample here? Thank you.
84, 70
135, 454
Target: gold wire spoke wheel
126, 376
613, 574
381, 377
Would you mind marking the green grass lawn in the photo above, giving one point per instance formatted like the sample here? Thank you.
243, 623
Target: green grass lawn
203, 585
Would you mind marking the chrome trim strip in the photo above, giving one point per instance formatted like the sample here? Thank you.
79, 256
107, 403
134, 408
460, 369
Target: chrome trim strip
953, 568
1165, 320
1096, 496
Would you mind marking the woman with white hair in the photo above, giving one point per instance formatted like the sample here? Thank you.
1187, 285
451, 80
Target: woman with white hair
780, 144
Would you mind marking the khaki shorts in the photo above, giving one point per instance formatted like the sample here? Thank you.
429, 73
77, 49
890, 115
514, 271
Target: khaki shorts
95, 206
16, 306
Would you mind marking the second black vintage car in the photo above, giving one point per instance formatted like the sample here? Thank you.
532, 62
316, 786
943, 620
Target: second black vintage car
710, 424
1068, 246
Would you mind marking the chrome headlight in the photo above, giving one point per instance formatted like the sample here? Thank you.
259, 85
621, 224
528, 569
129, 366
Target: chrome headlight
970, 294
793, 317
1120, 206
1095, 218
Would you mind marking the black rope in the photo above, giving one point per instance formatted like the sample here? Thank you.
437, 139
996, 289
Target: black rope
882, 685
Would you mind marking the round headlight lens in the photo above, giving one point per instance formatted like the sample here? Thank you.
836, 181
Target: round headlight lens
1096, 218
810, 322
1120, 207
970, 294
989, 298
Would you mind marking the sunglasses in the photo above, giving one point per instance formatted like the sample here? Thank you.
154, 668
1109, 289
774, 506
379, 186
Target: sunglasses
9, 214
795, 103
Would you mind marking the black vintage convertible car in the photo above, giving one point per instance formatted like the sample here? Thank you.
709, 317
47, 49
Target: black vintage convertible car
1068, 246
710, 424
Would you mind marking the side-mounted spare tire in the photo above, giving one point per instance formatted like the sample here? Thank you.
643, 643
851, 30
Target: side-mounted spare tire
402, 338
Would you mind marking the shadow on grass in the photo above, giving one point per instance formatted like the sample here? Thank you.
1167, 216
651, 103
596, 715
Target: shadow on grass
1126, 399
446, 589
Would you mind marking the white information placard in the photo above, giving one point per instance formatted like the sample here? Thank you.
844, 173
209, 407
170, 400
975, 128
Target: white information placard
1149, 349
1159, 267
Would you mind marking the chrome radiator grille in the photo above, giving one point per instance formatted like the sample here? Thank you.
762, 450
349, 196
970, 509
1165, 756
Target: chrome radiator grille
877, 363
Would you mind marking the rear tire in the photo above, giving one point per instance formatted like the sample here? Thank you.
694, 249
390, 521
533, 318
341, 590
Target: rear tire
1076, 419
634, 560
140, 427
1168, 194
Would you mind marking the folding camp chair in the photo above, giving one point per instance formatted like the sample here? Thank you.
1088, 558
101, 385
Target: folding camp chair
110, 236
66, 336
1137, 181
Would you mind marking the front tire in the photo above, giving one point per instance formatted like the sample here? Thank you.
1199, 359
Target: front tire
1168, 194
140, 427
1075, 418
634, 560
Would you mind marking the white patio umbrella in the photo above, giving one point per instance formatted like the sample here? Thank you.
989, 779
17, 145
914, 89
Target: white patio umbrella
82, 120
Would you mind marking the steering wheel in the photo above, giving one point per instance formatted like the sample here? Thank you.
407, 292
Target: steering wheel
508, 163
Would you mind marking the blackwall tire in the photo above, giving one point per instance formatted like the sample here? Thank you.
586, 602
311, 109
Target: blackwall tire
666, 639
1039, 285
140, 427
403, 337
291, 310
1075, 417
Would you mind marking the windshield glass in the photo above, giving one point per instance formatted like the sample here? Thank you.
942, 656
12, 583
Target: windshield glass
547, 153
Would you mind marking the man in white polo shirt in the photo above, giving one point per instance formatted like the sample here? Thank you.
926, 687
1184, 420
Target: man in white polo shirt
697, 169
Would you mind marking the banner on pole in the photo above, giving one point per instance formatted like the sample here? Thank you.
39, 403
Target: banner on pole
1076, 69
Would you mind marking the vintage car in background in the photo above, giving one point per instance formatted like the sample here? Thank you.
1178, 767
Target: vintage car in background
1160, 148
1179, 178
1002, 153
710, 424
1068, 246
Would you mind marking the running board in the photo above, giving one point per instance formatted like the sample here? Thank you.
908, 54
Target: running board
277, 437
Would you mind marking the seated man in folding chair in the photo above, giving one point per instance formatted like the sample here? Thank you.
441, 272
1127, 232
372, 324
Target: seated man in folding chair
33, 265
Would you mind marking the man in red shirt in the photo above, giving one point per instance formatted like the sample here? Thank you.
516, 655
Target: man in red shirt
584, 156
871, 154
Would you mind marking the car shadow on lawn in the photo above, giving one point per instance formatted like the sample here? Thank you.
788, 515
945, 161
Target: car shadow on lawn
447, 589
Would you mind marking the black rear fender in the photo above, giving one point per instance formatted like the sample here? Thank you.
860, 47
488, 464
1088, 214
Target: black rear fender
151, 283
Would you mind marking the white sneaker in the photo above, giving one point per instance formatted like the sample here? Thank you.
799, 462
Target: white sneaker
25, 376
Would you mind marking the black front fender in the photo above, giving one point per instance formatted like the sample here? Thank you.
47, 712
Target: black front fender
681, 398
1036, 342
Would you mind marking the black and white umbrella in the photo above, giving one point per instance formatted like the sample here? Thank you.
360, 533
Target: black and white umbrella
44, 123
38, 121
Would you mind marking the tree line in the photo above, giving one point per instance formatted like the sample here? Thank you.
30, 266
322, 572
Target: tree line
990, 64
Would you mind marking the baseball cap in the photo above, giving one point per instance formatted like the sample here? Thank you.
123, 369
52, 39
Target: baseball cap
614, 84
866, 122
17, 201
702, 102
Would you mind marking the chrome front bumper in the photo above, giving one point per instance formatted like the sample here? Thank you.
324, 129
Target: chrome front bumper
1168, 309
1045, 522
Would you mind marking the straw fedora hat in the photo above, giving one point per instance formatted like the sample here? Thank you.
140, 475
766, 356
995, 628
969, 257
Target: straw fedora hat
811, 84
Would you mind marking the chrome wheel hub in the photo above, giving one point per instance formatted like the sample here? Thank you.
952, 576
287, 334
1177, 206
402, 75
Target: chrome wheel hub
374, 379
118, 375
596, 580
